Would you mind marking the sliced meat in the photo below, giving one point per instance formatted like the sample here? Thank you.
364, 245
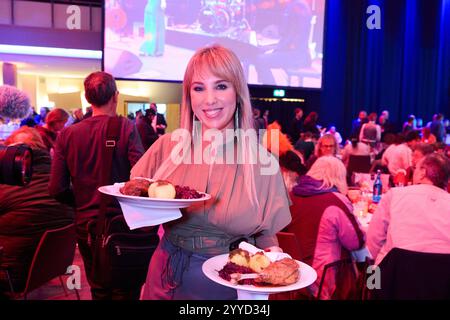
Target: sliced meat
136, 187
282, 272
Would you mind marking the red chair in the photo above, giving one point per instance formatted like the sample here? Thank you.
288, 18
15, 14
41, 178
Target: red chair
346, 280
288, 242
54, 253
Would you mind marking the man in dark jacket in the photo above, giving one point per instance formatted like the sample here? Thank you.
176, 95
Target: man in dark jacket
144, 126
78, 164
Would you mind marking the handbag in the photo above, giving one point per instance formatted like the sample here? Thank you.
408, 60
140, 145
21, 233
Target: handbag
120, 257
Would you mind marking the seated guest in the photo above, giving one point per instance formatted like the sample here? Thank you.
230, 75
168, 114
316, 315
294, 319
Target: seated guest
326, 146
26, 212
290, 160
305, 145
54, 122
419, 152
386, 141
355, 148
427, 136
416, 217
442, 148
323, 221
398, 157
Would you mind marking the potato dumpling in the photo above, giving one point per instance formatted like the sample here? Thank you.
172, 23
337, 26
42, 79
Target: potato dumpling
162, 189
239, 257
259, 261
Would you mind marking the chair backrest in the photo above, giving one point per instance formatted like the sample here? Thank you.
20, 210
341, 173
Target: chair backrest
412, 275
358, 164
289, 243
54, 253
345, 280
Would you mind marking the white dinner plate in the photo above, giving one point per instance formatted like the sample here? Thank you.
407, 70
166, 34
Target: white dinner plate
143, 211
212, 266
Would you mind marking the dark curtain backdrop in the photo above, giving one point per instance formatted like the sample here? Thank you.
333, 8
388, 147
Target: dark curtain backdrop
404, 67
282, 111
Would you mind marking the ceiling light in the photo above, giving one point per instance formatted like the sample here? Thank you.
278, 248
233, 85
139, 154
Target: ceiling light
50, 51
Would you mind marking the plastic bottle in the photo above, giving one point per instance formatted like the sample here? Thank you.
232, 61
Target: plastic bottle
377, 188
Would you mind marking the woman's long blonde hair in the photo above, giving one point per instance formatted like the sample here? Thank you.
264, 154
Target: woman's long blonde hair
224, 64
331, 171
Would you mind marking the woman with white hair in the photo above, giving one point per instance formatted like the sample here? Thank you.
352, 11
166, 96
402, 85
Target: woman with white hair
245, 202
324, 224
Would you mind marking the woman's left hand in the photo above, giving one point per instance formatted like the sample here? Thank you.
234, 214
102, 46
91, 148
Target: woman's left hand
273, 249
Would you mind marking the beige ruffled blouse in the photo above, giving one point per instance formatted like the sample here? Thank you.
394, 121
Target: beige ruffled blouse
229, 214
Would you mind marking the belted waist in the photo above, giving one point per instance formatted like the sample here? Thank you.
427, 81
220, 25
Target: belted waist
205, 244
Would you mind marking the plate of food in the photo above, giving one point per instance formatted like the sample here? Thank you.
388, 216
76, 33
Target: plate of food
256, 274
147, 202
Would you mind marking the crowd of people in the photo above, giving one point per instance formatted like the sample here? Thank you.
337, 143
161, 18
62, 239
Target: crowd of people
307, 196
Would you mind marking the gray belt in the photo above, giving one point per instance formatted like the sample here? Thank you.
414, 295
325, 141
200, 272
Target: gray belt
203, 244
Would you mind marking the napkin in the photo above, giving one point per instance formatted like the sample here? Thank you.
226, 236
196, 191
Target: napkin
273, 256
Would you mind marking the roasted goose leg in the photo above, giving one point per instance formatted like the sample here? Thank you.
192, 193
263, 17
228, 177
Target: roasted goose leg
282, 272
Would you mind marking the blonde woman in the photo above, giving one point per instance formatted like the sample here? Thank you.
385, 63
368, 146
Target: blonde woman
245, 203
291, 161
326, 146
324, 224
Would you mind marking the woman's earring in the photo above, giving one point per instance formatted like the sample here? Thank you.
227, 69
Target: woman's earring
236, 116
193, 130
236, 121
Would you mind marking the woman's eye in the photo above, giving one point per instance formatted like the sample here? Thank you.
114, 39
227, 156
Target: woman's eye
197, 88
222, 86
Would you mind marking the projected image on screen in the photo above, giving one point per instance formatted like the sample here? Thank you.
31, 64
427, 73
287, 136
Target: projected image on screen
278, 41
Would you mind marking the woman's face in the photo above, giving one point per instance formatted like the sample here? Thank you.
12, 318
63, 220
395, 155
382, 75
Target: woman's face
328, 147
213, 100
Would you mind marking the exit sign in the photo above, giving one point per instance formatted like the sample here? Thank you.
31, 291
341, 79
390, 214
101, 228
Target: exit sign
278, 93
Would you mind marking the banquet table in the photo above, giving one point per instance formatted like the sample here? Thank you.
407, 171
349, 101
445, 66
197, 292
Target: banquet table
364, 217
